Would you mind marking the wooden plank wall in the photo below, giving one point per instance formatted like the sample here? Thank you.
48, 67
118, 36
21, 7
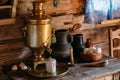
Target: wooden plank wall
12, 45
11, 39
64, 7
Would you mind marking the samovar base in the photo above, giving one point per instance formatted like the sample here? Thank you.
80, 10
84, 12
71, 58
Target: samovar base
36, 63
38, 60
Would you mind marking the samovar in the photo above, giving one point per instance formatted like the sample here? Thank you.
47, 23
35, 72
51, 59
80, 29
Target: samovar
39, 33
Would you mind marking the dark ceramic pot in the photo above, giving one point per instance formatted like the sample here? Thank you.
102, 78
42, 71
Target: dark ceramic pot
61, 49
78, 45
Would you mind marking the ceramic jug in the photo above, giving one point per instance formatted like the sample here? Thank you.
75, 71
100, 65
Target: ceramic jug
78, 45
61, 49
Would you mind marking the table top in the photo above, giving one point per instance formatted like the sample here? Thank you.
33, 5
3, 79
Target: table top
79, 71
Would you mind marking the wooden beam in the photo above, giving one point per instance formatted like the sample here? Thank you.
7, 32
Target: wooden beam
98, 26
6, 6
7, 21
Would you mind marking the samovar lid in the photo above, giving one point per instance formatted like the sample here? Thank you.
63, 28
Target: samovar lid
38, 14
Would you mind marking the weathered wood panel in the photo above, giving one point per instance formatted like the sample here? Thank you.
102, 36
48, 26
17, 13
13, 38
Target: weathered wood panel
12, 44
8, 32
14, 56
64, 7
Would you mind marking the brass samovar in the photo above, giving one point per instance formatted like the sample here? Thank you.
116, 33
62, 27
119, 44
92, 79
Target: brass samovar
39, 33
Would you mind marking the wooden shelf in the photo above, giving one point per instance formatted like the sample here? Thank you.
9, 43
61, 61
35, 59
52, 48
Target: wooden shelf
104, 24
85, 26
98, 26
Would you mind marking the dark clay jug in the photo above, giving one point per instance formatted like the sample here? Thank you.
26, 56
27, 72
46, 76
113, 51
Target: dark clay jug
61, 49
78, 45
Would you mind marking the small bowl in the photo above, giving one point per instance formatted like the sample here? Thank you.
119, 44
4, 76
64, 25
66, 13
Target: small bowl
91, 57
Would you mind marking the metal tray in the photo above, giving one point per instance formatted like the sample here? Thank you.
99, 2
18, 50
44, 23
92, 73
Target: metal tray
61, 69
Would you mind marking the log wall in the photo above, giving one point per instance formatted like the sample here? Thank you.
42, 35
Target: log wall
12, 45
66, 15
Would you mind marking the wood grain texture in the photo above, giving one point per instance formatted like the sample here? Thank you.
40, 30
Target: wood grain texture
12, 44
110, 72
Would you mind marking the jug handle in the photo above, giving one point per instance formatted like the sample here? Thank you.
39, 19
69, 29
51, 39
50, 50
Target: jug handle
69, 38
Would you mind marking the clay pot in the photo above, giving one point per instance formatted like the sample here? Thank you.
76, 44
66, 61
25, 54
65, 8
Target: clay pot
78, 45
61, 49
91, 57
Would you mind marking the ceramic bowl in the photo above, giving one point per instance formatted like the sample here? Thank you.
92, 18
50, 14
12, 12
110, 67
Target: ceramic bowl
91, 57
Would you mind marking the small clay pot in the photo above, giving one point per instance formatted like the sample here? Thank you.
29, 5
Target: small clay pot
91, 57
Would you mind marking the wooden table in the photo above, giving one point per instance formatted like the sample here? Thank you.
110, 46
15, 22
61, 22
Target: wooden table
79, 72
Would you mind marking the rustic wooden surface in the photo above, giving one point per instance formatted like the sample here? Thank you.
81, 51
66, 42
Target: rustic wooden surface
78, 72
64, 7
